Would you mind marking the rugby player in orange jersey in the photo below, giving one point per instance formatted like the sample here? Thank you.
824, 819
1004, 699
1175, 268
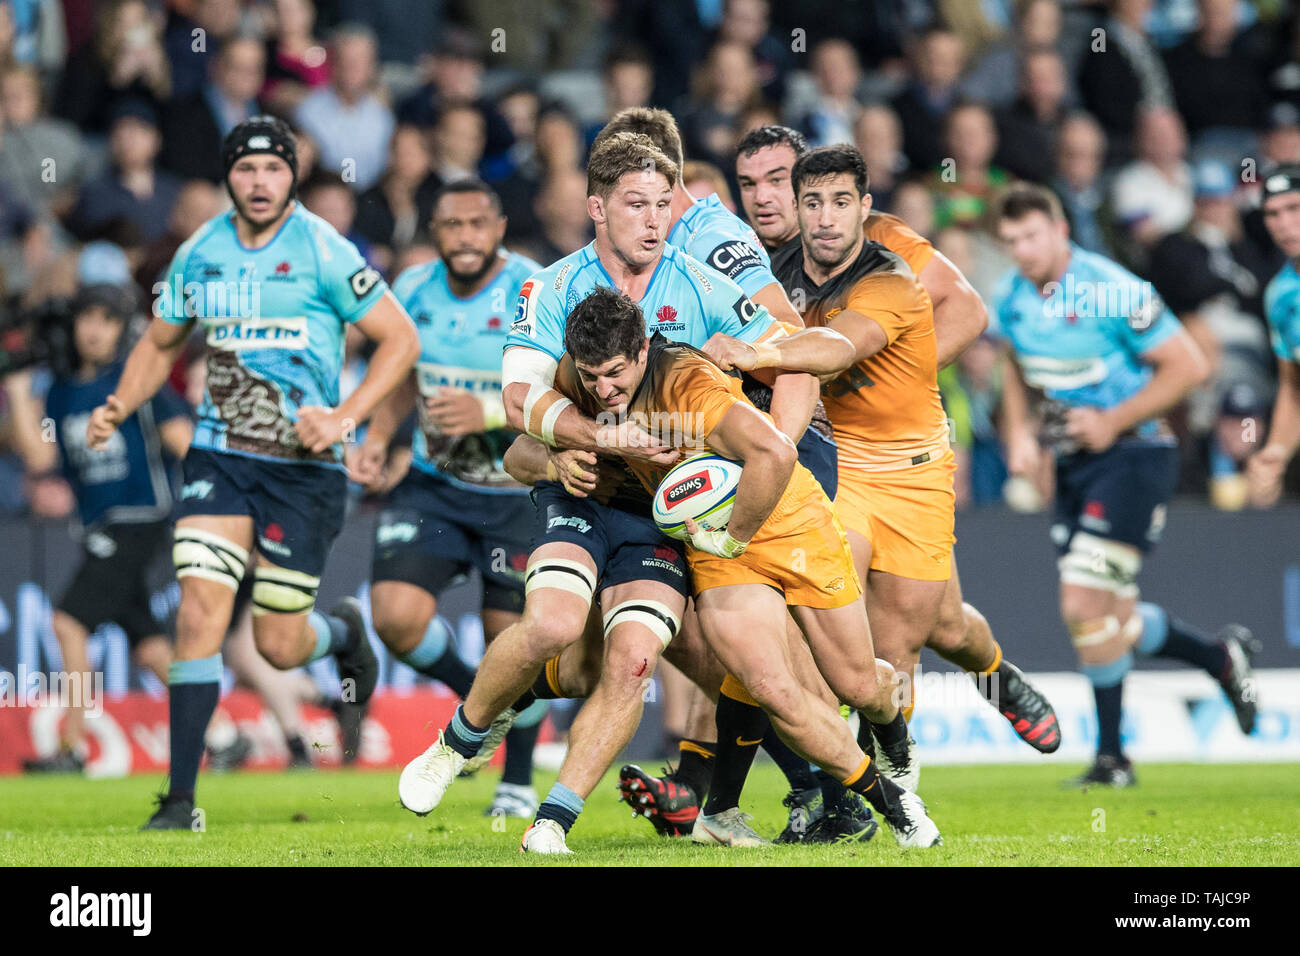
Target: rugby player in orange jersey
882, 395
764, 161
743, 575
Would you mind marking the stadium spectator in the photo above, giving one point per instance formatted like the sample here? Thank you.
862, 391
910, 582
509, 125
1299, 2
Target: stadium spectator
879, 137
702, 180
19, 235
725, 86
540, 36
563, 226
1218, 80
348, 120
1028, 128
1079, 157
837, 72
458, 139
1120, 72
296, 63
964, 189
936, 65
748, 23
672, 32
914, 204
405, 30
1213, 277
329, 196
1243, 416
628, 79
455, 75
198, 201
519, 106
993, 79
558, 149
124, 61
133, 190
396, 210
33, 34
43, 158
1152, 195
193, 127
193, 41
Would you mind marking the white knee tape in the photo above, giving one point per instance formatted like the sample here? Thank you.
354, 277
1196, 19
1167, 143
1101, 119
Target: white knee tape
658, 617
202, 554
281, 591
1098, 632
1100, 563
561, 573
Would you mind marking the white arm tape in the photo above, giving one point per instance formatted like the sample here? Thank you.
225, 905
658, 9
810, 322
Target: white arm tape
550, 418
527, 367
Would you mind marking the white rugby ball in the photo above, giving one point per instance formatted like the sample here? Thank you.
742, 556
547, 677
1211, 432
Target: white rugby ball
702, 488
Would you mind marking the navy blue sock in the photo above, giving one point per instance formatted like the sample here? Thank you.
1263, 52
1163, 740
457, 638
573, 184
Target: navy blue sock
332, 635
796, 769
435, 656
462, 736
561, 805
193, 689
520, 742
1163, 635
1110, 702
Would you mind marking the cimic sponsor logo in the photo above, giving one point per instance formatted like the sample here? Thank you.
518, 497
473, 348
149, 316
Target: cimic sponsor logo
133, 911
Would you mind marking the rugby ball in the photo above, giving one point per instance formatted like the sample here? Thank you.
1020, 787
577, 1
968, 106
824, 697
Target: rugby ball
702, 488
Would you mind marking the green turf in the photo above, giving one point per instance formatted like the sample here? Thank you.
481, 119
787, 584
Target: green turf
1235, 815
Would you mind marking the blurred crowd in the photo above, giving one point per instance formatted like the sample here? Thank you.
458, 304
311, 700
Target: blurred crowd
1154, 120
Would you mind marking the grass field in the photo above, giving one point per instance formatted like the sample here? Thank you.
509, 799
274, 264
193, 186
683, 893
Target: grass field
1239, 815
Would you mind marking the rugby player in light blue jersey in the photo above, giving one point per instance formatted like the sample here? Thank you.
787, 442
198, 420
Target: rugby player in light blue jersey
274, 288
1111, 359
1281, 208
456, 508
583, 544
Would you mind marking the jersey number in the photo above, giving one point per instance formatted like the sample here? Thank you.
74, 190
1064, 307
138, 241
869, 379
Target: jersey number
850, 380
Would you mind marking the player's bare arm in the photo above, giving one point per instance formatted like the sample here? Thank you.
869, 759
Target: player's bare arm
744, 434
959, 312
176, 435
1265, 468
398, 346
147, 367
582, 473
1178, 367
366, 463
537, 409
1018, 437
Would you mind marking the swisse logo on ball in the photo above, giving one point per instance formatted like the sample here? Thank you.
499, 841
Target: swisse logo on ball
687, 488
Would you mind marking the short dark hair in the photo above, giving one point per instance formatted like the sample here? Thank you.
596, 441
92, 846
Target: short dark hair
630, 53
765, 136
830, 161
622, 153
1021, 199
468, 186
604, 325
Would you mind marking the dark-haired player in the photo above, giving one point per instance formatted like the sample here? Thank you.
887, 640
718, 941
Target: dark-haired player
456, 508
765, 160
743, 576
1111, 358
274, 288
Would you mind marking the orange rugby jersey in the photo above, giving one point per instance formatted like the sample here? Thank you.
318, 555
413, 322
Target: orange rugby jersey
681, 399
886, 409
898, 237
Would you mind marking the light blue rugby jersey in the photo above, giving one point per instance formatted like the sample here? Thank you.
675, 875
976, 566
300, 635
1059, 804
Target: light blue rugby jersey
1082, 344
1282, 306
711, 233
685, 300
460, 347
274, 318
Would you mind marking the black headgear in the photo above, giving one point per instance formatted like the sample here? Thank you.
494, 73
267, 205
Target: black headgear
1284, 179
261, 134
